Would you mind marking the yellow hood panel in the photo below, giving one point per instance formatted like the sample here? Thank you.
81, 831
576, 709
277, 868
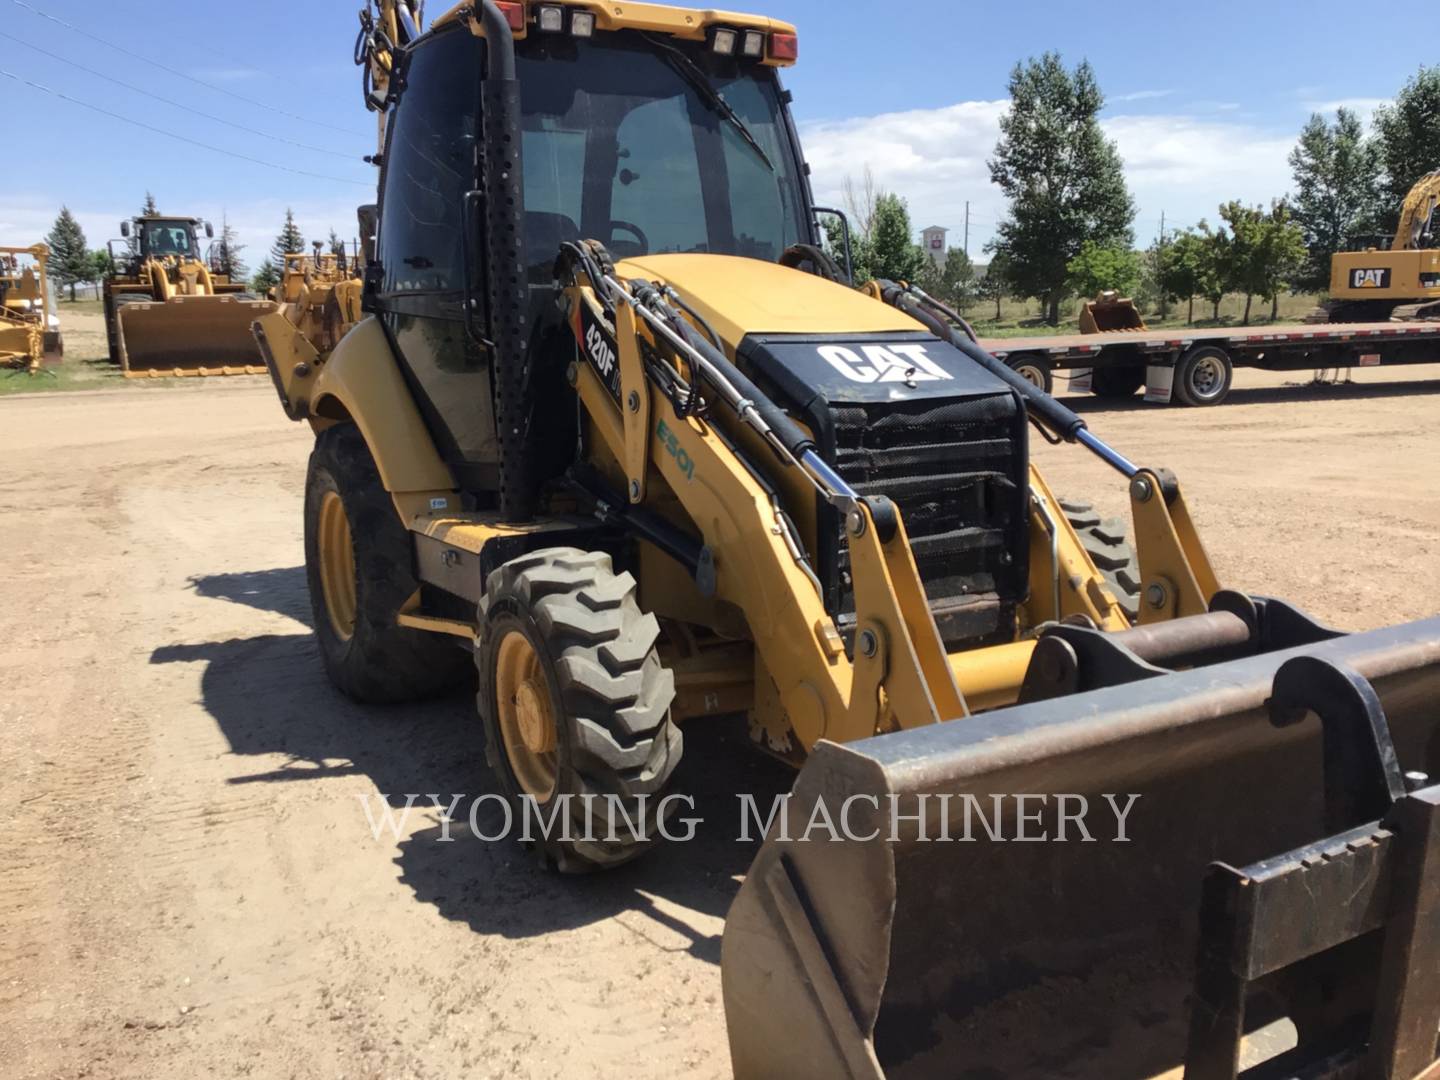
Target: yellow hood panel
746, 296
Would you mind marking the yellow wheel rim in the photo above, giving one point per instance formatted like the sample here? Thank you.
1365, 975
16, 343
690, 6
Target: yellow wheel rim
337, 566
526, 714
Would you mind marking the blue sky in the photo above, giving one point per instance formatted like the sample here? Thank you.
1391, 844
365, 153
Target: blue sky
1205, 101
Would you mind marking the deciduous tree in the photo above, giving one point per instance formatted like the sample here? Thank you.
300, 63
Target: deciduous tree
1336, 189
1407, 139
1063, 177
1103, 267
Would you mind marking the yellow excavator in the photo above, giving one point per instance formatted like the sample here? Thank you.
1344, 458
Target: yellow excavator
618, 437
29, 329
1399, 282
168, 312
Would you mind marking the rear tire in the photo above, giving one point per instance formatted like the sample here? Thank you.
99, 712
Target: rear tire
1204, 376
358, 566
1108, 545
1033, 369
575, 702
1117, 382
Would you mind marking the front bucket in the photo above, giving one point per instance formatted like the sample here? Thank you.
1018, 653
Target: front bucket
894, 951
190, 335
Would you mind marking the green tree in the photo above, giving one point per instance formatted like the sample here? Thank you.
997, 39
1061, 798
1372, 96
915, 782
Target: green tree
1267, 249
70, 261
995, 284
227, 258
291, 241
892, 252
149, 209
1102, 267
267, 276
1214, 272
957, 280
1335, 169
1407, 139
102, 266
1181, 270
1064, 179
335, 244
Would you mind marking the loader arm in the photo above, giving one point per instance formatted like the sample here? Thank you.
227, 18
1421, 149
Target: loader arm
900, 676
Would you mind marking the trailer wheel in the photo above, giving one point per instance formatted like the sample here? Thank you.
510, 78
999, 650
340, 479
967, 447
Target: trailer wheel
1107, 542
1204, 376
575, 703
1117, 382
358, 566
1033, 369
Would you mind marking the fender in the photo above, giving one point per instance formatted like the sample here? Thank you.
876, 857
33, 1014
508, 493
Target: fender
359, 382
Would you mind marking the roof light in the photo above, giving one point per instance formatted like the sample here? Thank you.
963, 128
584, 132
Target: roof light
754, 46
784, 47
551, 19
582, 24
724, 42
514, 14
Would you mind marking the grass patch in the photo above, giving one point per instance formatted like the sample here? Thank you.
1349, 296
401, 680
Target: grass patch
1025, 318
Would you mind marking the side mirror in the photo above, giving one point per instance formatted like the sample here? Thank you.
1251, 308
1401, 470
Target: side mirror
209, 231
844, 223
125, 229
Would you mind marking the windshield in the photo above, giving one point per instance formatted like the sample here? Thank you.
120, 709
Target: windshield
619, 147
161, 238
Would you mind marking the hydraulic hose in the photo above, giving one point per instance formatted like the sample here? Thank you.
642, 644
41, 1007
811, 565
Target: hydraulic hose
1055, 416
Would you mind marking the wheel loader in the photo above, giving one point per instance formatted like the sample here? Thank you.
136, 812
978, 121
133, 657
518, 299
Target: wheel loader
320, 295
1400, 280
29, 329
619, 432
168, 312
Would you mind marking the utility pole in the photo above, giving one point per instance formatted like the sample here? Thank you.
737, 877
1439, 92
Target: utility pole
1162, 228
967, 228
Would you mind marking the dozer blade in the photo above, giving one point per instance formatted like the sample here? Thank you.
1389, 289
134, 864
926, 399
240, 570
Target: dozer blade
190, 335
1278, 890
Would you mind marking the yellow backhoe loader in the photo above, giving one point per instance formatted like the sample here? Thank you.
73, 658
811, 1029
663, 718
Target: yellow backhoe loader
619, 432
29, 328
320, 294
1399, 282
168, 312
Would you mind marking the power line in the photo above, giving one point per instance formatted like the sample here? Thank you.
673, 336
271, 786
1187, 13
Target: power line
178, 138
176, 104
179, 74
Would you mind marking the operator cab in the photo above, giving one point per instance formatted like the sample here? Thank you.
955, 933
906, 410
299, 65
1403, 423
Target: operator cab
646, 142
162, 238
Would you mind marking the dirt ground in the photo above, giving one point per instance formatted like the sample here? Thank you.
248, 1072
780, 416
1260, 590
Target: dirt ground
191, 887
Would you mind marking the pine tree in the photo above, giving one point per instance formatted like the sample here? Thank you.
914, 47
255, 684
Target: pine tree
1335, 171
227, 258
1063, 177
70, 261
291, 241
149, 209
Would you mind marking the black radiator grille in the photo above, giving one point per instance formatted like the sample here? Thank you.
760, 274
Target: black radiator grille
957, 472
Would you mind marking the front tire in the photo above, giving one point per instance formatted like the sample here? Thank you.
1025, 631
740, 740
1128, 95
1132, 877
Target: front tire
576, 703
358, 566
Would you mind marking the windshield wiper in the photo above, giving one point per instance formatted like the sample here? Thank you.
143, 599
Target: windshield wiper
692, 73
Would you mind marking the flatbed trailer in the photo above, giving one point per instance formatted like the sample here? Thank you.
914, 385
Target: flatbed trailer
1196, 367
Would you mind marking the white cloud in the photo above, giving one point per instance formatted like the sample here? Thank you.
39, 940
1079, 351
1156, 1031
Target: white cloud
1181, 165
1364, 107
1140, 95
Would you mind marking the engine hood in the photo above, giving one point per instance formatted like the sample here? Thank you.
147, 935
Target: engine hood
743, 297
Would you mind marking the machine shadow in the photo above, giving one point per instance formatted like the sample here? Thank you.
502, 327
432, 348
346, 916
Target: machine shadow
1272, 395
269, 696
